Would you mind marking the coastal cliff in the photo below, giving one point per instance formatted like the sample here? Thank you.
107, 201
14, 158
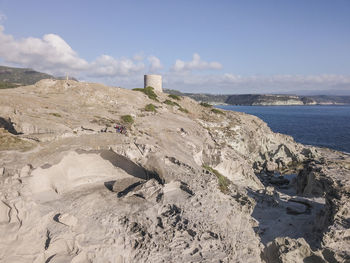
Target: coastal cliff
185, 183
265, 99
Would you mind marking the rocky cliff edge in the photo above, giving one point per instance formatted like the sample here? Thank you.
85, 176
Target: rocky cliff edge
185, 183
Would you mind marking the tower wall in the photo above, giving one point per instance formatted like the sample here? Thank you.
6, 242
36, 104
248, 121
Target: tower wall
155, 81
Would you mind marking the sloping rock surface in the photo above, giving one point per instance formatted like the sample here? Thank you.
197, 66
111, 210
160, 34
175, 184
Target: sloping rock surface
184, 184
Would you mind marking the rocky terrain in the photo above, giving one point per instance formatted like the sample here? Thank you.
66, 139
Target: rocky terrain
186, 183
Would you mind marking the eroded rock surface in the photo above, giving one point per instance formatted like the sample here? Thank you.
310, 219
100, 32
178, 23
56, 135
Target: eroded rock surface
185, 184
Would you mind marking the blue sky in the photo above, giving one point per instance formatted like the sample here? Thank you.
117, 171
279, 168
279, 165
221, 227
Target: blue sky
200, 46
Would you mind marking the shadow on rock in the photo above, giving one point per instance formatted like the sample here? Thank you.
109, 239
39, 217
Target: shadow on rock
281, 213
7, 125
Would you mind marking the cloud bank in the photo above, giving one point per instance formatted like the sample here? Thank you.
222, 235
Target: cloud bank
236, 84
52, 54
195, 64
3, 17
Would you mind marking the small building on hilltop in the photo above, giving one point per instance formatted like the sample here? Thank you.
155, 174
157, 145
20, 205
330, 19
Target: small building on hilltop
154, 81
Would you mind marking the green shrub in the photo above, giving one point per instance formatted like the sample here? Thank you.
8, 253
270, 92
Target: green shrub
127, 119
183, 110
175, 97
204, 104
149, 91
223, 181
216, 111
56, 114
150, 107
6, 85
171, 103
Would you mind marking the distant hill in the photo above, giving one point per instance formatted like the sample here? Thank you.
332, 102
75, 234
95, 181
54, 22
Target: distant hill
265, 99
14, 77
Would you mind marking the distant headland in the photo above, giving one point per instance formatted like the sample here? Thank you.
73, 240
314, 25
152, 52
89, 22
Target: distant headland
265, 99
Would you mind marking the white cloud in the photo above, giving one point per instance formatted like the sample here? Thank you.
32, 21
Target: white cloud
236, 84
107, 66
155, 64
195, 64
53, 55
3, 17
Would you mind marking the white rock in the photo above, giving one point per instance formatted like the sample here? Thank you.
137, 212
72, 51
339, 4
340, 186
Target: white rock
4, 213
25, 171
68, 220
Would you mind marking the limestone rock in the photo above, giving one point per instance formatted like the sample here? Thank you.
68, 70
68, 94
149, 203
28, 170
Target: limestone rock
180, 186
67, 219
4, 212
287, 250
25, 171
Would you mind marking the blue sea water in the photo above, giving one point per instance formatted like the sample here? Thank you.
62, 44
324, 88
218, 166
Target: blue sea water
326, 126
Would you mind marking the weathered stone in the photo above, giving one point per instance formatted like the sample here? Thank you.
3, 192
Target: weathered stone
177, 186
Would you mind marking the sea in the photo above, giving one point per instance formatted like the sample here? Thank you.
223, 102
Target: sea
318, 125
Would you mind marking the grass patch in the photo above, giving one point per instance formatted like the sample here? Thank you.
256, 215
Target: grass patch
171, 103
149, 91
151, 108
103, 121
204, 104
56, 114
128, 119
216, 111
175, 97
183, 110
223, 181
9, 141
6, 85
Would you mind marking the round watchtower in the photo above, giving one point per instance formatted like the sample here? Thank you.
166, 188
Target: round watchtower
154, 81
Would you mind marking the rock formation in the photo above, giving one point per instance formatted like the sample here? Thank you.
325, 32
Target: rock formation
185, 183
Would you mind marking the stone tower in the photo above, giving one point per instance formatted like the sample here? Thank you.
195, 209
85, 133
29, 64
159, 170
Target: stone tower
155, 81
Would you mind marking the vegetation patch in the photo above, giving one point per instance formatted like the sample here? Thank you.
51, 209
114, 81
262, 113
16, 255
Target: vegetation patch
103, 121
216, 111
175, 97
55, 114
150, 107
149, 91
22, 76
9, 141
223, 181
128, 119
171, 103
204, 104
183, 110
6, 85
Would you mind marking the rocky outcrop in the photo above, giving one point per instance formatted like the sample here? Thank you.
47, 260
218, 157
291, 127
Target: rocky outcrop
184, 184
330, 178
285, 250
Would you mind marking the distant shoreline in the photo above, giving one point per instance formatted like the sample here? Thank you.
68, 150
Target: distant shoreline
325, 126
265, 99
273, 105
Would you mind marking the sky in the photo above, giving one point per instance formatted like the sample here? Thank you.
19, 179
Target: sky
223, 46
